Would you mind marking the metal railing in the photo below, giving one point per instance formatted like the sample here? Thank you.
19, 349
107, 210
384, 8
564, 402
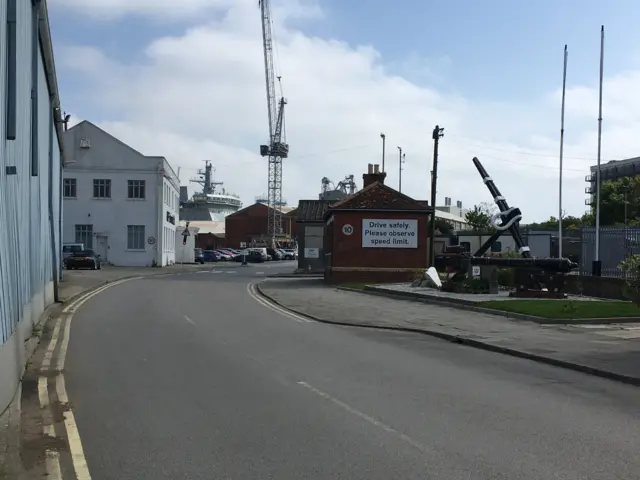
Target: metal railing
616, 244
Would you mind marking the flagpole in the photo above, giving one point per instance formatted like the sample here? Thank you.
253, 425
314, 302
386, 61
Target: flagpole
597, 265
564, 90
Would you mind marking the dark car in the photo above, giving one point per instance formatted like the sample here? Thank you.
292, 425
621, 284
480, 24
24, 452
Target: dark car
198, 255
211, 256
249, 256
84, 259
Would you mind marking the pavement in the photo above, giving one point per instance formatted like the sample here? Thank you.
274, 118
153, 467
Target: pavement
611, 351
197, 377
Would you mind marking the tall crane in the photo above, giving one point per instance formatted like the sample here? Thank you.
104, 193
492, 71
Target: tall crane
277, 149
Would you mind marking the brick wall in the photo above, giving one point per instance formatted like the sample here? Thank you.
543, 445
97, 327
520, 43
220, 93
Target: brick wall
603, 287
351, 263
347, 250
338, 275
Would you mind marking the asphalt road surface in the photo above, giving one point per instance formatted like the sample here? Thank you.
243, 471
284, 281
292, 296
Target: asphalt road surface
189, 377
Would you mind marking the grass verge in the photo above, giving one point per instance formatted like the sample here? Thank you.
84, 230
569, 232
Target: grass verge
565, 309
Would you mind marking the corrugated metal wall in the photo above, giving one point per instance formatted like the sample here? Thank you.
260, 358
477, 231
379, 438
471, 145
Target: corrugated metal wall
26, 279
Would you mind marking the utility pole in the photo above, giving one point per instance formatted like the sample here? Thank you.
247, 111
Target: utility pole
384, 141
437, 134
400, 162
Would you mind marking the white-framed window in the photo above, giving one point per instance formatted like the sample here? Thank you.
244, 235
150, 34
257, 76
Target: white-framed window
101, 188
70, 188
135, 237
84, 235
136, 189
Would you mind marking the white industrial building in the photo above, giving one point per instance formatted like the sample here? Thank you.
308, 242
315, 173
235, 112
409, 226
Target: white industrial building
30, 173
122, 204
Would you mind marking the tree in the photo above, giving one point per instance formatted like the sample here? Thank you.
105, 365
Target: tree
619, 202
631, 269
479, 217
444, 227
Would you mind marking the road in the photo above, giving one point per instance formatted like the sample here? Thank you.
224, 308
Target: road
190, 377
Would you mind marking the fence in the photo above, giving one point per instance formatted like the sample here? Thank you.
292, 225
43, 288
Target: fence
616, 244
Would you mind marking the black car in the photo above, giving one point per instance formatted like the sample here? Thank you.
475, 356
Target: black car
198, 255
84, 259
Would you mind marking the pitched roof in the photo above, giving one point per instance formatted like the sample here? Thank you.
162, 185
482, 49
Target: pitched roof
312, 210
379, 196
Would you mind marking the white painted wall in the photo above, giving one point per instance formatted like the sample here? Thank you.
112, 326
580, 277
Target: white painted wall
185, 253
106, 158
26, 250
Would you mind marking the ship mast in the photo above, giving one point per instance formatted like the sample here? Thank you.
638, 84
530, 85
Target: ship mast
205, 178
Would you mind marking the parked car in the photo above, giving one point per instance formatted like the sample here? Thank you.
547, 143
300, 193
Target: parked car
224, 255
198, 255
250, 256
84, 259
275, 254
289, 254
69, 249
211, 256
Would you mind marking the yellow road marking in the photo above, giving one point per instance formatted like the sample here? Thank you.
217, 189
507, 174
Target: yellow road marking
251, 290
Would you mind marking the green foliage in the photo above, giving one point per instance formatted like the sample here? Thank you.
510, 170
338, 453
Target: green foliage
444, 227
479, 217
620, 202
631, 269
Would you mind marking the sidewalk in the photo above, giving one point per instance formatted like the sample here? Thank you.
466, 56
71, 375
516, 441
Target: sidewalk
605, 351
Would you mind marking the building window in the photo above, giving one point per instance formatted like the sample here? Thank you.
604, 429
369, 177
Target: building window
135, 237
136, 189
70, 188
101, 188
466, 246
84, 235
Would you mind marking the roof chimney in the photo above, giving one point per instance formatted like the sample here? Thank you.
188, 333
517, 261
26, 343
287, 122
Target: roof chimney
373, 175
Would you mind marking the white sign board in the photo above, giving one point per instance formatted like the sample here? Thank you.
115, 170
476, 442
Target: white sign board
381, 233
311, 253
347, 229
475, 271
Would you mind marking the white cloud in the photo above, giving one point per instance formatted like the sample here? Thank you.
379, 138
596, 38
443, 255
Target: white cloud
201, 96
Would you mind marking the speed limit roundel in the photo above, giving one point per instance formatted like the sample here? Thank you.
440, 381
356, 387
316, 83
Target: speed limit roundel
347, 229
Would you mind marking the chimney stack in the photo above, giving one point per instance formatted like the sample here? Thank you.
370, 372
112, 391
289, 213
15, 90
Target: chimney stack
373, 175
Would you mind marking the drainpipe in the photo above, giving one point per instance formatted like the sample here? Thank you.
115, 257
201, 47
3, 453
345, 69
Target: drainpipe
52, 227
35, 50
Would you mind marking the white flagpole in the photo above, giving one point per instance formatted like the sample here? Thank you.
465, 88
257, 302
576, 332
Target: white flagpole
564, 90
597, 265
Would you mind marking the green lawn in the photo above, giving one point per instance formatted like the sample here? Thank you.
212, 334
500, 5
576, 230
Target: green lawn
565, 309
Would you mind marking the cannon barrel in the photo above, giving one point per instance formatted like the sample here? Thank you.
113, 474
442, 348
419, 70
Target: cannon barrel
560, 265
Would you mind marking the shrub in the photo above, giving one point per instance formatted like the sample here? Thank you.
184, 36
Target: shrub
631, 269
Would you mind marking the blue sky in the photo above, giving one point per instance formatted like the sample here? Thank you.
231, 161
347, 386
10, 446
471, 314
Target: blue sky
480, 49
488, 69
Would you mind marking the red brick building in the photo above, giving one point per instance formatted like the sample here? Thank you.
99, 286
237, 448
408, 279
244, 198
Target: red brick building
251, 224
376, 235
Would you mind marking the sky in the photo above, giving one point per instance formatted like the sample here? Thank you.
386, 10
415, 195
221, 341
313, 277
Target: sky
187, 82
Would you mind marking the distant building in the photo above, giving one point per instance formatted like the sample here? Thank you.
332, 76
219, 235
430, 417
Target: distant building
454, 214
117, 201
612, 170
